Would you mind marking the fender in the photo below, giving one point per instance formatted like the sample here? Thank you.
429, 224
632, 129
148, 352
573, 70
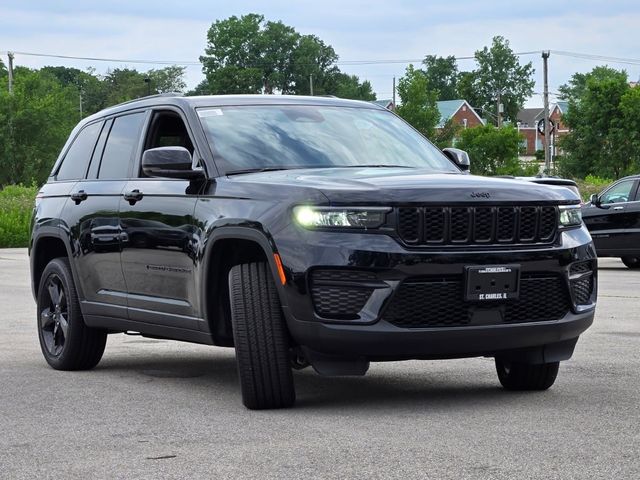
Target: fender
261, 237
57, 233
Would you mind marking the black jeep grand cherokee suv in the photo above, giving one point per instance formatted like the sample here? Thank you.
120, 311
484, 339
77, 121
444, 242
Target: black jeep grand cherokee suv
301, 230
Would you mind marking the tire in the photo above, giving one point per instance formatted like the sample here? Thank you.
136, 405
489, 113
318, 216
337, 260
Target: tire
631, 262
66, 342
261, 338
523, 376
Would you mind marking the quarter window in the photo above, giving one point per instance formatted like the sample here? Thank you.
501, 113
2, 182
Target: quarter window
121, 146
75, 162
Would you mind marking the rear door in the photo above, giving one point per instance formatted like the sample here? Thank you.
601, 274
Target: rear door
612, 223
96, 228
91, 207
158, 249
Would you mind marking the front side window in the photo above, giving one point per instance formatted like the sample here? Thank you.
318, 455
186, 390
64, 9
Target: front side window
76, 160
311, 136
121, 146
618, 193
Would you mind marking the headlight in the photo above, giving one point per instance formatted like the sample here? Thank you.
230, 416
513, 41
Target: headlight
340, 217
570, 216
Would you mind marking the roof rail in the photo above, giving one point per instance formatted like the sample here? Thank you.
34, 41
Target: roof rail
158, 95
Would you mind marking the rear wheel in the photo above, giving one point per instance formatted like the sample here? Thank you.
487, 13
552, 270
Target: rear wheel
66, 342
631, 262
260, 336
524, 376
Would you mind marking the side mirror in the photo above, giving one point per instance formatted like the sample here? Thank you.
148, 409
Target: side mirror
169, 162
595, 200
459, 157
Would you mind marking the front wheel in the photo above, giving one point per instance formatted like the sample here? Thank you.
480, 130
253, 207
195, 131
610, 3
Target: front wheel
66, 342
631, 262
524, 376
260, 337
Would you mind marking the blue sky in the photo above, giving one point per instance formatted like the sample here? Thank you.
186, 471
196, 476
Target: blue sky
358, 30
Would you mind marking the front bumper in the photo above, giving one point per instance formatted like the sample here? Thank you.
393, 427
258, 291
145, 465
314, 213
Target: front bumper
371, 336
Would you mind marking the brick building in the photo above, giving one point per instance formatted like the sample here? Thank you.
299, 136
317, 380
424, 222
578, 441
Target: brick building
460, 112
527, 123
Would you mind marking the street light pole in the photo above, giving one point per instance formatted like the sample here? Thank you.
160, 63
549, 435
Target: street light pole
10, 56
547, 143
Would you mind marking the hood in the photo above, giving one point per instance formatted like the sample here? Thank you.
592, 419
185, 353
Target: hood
408, 185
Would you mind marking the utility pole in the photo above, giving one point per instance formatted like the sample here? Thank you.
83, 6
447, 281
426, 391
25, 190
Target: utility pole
498, 110
546, 142
311, 84
10, 55
394, 93
80, 104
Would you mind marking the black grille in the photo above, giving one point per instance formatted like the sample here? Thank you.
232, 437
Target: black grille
439, 302
477, 225
342, 275
582, 282
339, 302
333, 295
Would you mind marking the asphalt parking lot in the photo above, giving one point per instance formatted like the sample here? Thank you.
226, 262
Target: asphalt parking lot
163, 409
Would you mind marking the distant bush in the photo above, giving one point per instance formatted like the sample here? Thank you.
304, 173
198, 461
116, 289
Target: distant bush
597, 181
16, 206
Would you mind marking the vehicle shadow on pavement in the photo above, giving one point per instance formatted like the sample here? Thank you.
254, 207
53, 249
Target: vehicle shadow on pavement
380, 388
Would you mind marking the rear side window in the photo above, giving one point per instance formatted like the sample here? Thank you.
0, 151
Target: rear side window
75, 162
121, 146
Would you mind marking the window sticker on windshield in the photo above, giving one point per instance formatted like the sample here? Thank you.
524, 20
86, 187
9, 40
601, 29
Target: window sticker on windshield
210, 112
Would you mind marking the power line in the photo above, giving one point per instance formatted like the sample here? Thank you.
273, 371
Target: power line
192, 62
599, 58
584, 56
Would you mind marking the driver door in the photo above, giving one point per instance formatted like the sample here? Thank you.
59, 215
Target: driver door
612, 223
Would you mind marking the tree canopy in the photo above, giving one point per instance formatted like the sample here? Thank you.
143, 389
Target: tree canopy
249, 54
418, 101
603, 117
499, 71
442, 76
493, 151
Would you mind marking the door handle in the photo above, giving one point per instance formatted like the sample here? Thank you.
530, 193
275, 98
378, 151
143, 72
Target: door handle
79, 196
133, 196
618, 208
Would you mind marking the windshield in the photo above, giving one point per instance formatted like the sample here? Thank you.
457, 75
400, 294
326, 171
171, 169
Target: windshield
310, 136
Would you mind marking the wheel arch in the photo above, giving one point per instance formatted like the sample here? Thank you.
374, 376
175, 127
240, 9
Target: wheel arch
45, 247
226, 247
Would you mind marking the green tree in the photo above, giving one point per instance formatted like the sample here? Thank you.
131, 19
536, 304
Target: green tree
442, 75
349, 86
36, 120
167, 80
418, 102
600, 140
87, 84
449, 132
465, 89
493, 151
499, 71
251, 55
312, 57
232, 63
630, 108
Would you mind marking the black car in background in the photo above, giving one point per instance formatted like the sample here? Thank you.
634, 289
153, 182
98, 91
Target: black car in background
302, 231
613, 218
